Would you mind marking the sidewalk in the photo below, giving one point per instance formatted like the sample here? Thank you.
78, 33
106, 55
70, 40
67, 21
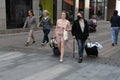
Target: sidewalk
18, 62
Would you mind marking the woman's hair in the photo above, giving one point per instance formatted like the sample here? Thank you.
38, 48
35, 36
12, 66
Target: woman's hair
65, 14
115, 12
31, 12
46, 11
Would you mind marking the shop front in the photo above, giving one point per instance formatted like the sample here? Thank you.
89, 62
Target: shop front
16, 12
92, 6
97, 7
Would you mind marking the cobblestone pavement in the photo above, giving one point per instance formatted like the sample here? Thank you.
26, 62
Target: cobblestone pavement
18, 62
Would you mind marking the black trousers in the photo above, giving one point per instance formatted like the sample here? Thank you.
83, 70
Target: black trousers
46, 38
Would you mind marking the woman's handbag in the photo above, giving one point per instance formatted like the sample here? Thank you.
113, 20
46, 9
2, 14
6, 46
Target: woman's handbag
65, 35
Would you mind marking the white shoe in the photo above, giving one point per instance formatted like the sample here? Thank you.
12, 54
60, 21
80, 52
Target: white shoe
61, 60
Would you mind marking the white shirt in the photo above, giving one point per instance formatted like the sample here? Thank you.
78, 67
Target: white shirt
82, 25
45, 17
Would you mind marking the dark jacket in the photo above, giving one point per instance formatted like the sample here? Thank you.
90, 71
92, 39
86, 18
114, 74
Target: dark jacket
115, 21
46, 24
77, 31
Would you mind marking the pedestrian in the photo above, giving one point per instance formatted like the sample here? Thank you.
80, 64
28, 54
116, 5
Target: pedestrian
80, 32
115, 27
30, 23
46, 24
93, 23
62, 25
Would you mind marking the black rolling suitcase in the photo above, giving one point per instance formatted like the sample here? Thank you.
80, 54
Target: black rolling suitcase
54, 46
91, 51
56, 51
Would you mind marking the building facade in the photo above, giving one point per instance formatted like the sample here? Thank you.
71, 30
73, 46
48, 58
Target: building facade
14, 12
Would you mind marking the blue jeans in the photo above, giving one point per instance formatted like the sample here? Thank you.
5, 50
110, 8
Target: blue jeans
81, 45
115, 32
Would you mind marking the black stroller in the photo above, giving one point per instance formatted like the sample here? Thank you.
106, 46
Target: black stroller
54, 46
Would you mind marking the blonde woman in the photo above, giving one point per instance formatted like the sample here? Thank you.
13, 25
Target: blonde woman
30, 23
62, 25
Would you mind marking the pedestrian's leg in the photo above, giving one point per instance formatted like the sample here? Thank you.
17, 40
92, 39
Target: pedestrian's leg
79, 42
47, 38
32, 36
117, 33
113, 36
62, 51
29, 38
59, 47
44, 36
68, 44
83, 46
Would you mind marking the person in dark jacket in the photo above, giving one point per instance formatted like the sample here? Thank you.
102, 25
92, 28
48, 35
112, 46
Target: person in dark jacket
80, 32
115, 27
46, 24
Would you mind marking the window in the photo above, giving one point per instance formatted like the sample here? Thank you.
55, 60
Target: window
16, 11
97, 7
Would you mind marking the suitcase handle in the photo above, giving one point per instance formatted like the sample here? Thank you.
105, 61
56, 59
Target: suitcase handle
89, 40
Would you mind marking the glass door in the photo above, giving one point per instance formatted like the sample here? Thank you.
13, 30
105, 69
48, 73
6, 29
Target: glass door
97, 7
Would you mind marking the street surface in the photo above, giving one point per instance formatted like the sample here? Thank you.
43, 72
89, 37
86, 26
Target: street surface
18, 62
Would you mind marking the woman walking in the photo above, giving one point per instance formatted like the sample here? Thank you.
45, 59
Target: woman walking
31, 23
62, 25
46, 24
80, 32
115, 21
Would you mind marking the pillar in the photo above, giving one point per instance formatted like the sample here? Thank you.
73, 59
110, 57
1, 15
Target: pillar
2, 15
86, 9
106, 1
76, 8
59, 8
36, 8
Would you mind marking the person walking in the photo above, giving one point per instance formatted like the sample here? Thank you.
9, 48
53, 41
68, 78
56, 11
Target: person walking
62, 25
30, 23
80, 32
46, 24
115, 27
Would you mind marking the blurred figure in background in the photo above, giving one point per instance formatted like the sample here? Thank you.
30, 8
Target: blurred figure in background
93, 23
115, 26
